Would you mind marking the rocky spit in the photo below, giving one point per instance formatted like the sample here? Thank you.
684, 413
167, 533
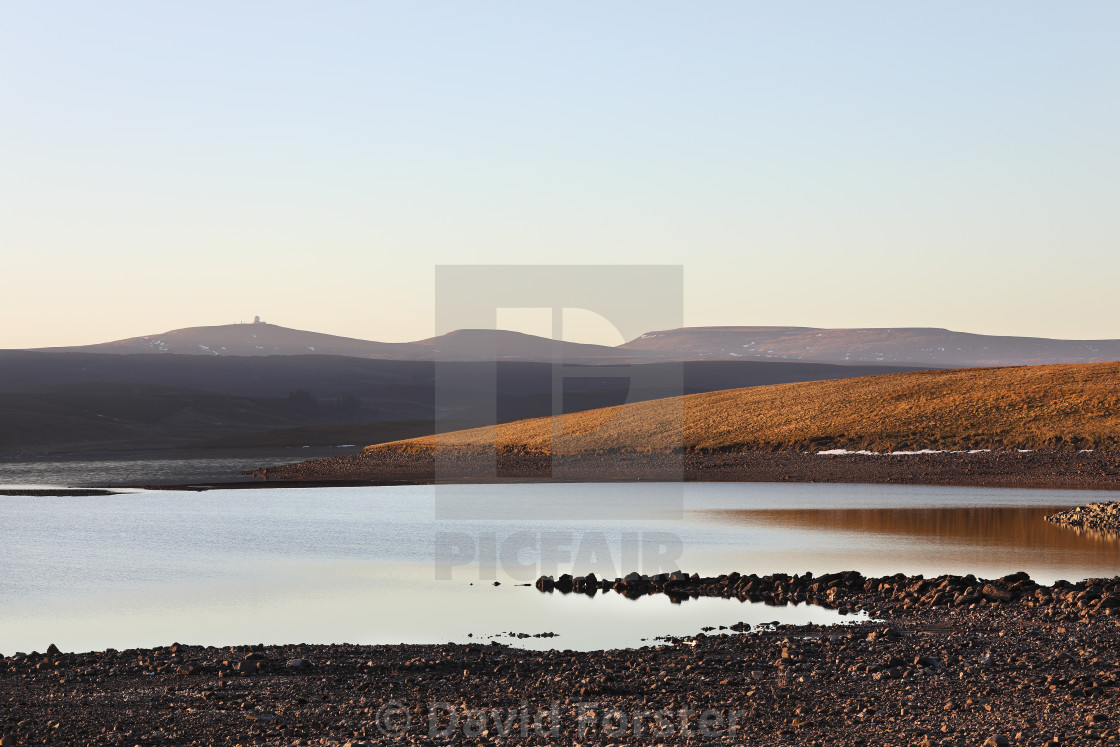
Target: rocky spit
850, 591
1057, 469
1103, 518
948, 661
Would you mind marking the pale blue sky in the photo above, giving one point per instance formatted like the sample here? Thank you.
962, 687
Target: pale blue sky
949, 164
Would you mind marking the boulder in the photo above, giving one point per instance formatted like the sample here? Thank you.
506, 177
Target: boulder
994, 593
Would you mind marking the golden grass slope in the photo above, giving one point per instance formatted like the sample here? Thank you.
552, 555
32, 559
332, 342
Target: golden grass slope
1030, 407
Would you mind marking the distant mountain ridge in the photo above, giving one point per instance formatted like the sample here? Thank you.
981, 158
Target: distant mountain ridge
256, 339
262, 339
916, 346
904, 345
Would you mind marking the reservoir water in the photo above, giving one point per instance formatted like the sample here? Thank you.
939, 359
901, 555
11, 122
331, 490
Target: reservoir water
418, 564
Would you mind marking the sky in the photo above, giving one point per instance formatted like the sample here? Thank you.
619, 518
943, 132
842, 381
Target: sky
880, 164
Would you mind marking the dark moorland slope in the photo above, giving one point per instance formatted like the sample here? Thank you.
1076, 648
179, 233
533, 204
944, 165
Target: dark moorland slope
52, 402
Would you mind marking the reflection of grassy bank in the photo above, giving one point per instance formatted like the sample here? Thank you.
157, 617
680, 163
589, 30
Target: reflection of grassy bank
1014, 529
999, 526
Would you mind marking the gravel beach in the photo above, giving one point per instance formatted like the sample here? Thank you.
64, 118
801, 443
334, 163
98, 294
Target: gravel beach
948, 661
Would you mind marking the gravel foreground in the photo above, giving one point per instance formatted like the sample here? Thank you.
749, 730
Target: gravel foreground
1027, 469
951, 661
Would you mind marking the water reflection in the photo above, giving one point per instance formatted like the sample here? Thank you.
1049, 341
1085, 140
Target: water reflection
356, 564
980, 538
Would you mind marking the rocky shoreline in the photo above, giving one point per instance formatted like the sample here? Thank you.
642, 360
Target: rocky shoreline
56, 492
1056, 469
850, 592
1102, 517
952, 661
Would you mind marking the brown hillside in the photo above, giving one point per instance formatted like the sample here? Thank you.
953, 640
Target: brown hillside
1036, 407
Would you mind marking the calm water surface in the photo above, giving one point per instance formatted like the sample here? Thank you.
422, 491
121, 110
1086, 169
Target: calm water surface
358, 564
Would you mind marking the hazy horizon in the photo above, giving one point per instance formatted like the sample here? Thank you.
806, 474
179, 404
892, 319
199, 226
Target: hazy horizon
865, 165
587, 328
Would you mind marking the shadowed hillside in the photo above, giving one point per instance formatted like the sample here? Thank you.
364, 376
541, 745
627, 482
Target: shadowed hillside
53, 402
1039, 407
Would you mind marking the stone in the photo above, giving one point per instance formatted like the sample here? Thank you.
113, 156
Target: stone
995, 593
